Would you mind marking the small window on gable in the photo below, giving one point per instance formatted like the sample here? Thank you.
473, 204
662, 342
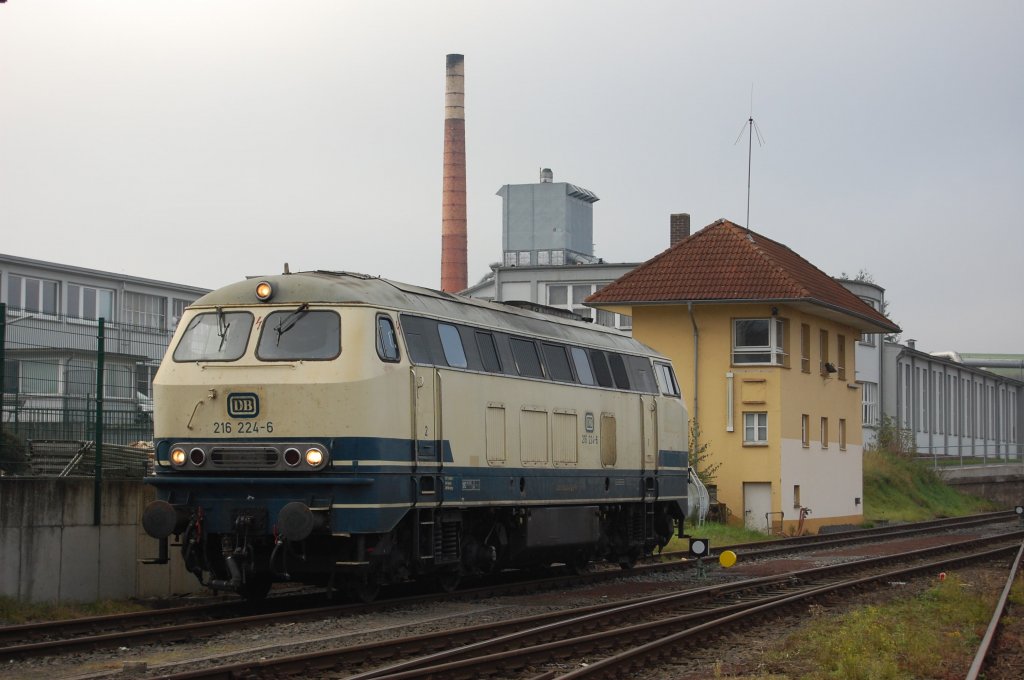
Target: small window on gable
582, 364
387, 345
527, 361
558, 363
488, 352
451, 343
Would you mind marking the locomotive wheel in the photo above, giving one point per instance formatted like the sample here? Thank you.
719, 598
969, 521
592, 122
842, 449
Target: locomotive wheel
628, 560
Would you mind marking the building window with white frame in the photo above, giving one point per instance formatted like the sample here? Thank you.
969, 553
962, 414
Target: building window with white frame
842, 434
841, 356
824, 432
869, 403
759, 341
149, 311
90, 303
32, 295
805, 430
908, 399
755, 429
805, 348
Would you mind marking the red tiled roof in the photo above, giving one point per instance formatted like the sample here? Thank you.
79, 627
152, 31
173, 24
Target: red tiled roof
724, 262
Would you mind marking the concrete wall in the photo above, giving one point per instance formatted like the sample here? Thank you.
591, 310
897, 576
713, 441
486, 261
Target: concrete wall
50, 550
1002, 484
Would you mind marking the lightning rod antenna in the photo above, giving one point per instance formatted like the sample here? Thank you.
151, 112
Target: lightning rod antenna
751, 128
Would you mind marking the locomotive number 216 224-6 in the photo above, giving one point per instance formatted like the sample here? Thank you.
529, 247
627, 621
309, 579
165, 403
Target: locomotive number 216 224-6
243, 427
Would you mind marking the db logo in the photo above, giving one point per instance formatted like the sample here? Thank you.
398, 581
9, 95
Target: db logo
243, 405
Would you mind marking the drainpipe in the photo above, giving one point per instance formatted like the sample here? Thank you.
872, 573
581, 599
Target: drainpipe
696, 347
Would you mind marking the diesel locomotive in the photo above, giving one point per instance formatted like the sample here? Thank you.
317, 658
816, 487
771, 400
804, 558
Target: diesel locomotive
351, 431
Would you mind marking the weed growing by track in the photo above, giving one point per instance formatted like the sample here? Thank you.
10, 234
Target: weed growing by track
718, 535
13, 612
890, 641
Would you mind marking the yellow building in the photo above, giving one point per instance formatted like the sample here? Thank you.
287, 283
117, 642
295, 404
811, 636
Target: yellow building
763, 343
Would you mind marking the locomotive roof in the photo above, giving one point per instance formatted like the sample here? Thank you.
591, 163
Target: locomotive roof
357, 289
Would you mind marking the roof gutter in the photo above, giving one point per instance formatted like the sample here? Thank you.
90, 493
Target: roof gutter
876, 325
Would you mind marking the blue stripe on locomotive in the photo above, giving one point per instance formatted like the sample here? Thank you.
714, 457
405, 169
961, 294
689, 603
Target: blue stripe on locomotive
372, 483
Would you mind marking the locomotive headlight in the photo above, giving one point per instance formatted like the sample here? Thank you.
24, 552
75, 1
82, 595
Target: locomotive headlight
264, 290
197, 456
314, 457
178, 456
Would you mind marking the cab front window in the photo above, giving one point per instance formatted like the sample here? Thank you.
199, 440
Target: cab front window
300, 334
215, 336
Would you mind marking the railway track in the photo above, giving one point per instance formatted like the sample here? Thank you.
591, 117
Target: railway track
983, 658
187, 623
619, 635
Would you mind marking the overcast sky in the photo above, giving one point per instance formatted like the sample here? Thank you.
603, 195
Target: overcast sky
199, 142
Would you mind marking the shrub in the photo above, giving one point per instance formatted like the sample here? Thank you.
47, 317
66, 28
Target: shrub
13, 454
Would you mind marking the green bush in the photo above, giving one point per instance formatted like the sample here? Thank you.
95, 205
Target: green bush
13, 454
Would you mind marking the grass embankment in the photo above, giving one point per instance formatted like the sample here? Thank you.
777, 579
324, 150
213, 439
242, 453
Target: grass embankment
900, 489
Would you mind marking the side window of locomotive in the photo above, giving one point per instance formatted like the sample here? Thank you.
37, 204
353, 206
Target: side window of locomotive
215, 336
558, 363
387, 344
601, 370
291, 335
582, 364
666, 379
619, 372
527, 360
420, 338
451, 343
641, 375
488, 352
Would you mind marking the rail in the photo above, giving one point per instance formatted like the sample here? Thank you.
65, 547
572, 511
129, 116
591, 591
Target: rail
986, 642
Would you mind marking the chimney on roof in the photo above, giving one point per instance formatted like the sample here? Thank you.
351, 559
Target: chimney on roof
546, 176
454, 270
911, 343
679, 227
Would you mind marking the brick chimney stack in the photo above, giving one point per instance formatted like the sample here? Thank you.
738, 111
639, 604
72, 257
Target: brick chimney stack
453, 187
679, 227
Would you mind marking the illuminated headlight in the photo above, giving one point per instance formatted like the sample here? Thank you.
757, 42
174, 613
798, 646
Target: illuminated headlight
178, 456
264, 290
314, 457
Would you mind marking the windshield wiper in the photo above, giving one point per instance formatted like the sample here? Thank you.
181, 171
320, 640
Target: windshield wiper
222, 328
289, 321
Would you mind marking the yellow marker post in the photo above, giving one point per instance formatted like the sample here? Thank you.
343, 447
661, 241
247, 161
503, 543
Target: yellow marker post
727, 558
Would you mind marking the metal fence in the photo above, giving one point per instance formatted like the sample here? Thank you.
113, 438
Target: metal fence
76, 391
